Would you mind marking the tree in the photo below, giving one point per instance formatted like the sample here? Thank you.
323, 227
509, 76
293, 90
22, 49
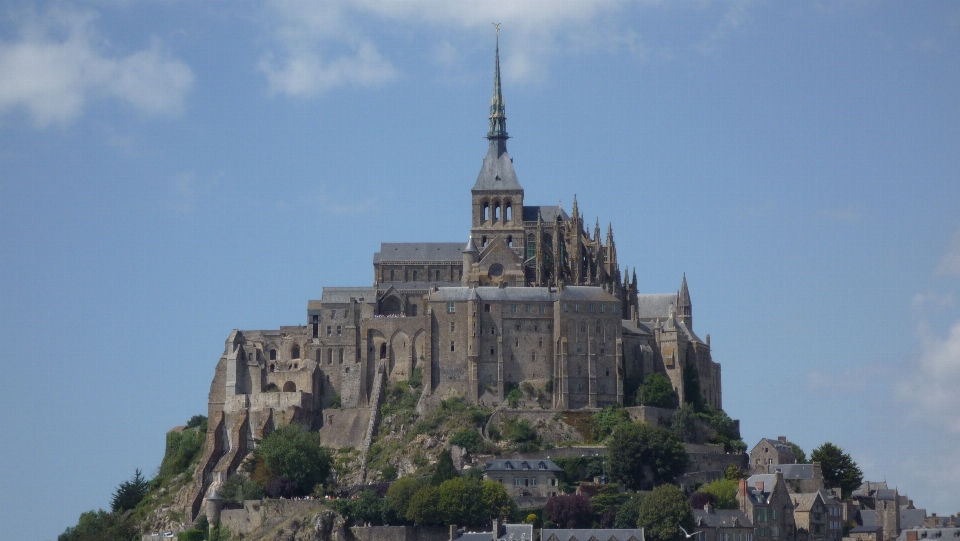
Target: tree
798, 452
401, 493
724, 492
839, 470
461, 502
99, 526
663, 512
629, 512
657, 391
569, 511
496, 502
129, 493
444, 470
469, 439
699, 499
605, 420
423, 509
683, 422
295, 453
637, 446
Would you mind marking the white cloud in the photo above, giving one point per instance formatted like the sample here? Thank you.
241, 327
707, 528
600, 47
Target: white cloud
325, 44
60, 62
950, 264
932, 391
735, 17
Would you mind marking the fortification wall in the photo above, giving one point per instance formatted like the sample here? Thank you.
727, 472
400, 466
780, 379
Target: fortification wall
344, 428
256, 513
400, 533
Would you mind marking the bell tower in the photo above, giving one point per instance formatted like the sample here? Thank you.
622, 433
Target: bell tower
497, 197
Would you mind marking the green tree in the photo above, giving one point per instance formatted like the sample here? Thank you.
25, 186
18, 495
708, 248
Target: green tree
99, 526
423, 509
724, 492
663, 512
401, 493
469, 439
239, 487
496, 502
798, 451
683, 422
605, 420
444, 470
733, 472
461, 502
130, 493
635, 446
839, 470
657, 391
294, 452
629, 512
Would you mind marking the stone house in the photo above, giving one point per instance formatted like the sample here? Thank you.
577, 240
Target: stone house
771, 452
766, 501
592, 534
800, 478
866, 533
818, 516
722, 524
525, 480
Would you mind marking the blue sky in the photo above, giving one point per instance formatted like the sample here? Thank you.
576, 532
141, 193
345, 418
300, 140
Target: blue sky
173, 170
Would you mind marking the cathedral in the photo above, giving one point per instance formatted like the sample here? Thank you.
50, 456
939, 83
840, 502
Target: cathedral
530, 297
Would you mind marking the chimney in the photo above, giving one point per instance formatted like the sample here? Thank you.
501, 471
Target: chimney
782, 439
911, 535
708, 508
758, 485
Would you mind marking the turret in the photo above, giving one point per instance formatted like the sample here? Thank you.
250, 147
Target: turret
470, 256
684, 307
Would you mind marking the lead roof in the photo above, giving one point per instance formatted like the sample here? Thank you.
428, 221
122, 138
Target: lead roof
419, 251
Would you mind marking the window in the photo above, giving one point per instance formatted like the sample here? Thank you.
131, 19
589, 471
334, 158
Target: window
540, 342
341, 355
346, 313
453, 346
517, 482
453, 326
333, 314
566, 308
316, 319
773, 514
576, 307
486, 307
513, 308
329, 356
493, 330
553, 481
516, 327
436, 276
493, 351
329, 330
517, 343
451, 308
533, 356
529, 308
592, 307
603, 308
413, 309
391, 275
414, 276
295, 352
543, 309
533, 481
273, 355
339, 330
486, 211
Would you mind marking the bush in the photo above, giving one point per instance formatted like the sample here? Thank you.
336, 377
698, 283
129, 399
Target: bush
605, 420
724, 493
337, 402
99, 525
295, 453
197, 421
183, 448
444, 470
416, 378
569, 511
191, 535
513, 397
469, 439
282, 487
238, 488
634, 447
656, 390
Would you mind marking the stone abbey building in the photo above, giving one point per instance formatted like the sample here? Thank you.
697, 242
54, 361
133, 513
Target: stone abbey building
530, 295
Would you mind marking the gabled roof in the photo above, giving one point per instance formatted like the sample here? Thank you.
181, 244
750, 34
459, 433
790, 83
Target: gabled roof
721, 518
419, 251
792, 471
547, 212
912, 518
655, 305
587, 534
342, 295
521, 465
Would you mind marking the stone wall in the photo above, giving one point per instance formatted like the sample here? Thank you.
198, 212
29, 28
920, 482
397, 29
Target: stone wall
344, 428
256, 513
400, 533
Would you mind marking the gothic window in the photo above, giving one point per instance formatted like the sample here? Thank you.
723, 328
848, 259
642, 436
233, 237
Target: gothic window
329, 356
510, 240
295, 352
341, 355
273, 355
496, 212
496, 270
436, 276
486, 211
509, 211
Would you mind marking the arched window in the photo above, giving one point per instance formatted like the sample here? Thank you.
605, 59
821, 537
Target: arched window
295, 352
496, 211
289, 387
510, 240
318, 356
272, 367
341, 355
483, 241
415, 276
486, 211
391, 275
383, 351
508, 212
273, 355
436, 276
330, 356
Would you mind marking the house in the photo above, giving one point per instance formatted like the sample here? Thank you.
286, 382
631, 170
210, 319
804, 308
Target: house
499, 532
866, 533
770, 452
722, 524
767, 502
530, 482
818, 516
800, 477
591, 534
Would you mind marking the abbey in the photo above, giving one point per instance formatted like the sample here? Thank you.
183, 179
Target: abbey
530, 297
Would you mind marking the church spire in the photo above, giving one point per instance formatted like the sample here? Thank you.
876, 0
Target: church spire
498, 114
684, 306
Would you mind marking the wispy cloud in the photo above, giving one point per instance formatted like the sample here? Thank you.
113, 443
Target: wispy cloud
60, 62
950, 263
735, 17
930, 391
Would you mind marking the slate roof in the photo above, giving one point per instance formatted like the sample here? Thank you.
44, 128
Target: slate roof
522, 465
629, 327
721, 518
341, 295
414, 286
657, 305
868, 517
792, 471
419, 251
508, 532
866, 529
941, 534
912, 518
521, 294
496, 173
548, 212
590, 533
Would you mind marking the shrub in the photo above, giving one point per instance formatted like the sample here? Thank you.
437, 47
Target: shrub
238, 488
548, 386
182, 448
295, 453
569, 511
513, 397
528, 388
469, 439
656, 390
191, 535
337, 403
605, 420
416, 378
